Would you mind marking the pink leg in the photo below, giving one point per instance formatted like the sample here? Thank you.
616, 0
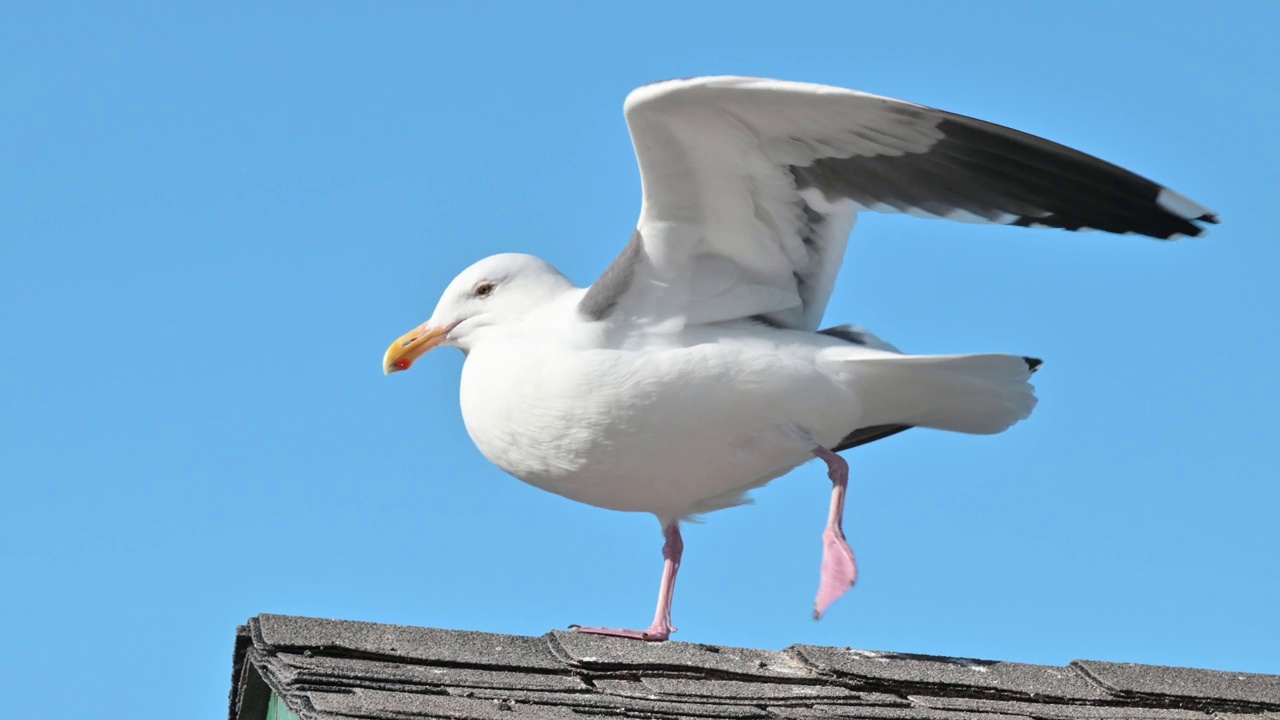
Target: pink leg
661, 628
839, 570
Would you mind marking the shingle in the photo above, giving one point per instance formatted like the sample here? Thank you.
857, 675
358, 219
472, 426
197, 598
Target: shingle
884, 668
365, 673
1058, 711
604, 653
394, 705
403, 643
873, 698
664, 688
615, 704
871, 712
1132, 679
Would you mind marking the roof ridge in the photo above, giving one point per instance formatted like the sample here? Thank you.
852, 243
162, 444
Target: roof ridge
338, 669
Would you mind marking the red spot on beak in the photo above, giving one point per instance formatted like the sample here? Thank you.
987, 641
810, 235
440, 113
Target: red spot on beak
402, 364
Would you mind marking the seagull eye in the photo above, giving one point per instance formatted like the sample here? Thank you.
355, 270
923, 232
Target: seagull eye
483, 290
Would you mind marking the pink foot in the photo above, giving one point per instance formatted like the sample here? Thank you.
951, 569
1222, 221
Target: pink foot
839, 569
653, 634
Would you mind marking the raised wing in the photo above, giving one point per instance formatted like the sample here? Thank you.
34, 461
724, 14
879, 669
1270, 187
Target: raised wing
751, 187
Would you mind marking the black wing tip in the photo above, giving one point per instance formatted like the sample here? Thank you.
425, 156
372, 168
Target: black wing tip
1186, 212
1033, 364
1184, 226
1207, 218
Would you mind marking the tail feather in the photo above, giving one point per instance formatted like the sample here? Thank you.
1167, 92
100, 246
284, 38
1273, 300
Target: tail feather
979, 394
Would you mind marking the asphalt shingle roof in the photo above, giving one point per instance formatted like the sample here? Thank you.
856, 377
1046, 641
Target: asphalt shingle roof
337, 669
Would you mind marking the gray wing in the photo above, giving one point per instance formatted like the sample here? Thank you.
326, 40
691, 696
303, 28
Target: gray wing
752, 186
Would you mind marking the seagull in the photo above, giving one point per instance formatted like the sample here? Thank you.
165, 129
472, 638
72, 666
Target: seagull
694, 370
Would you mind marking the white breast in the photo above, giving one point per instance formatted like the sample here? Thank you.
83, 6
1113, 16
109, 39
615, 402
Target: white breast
674, 431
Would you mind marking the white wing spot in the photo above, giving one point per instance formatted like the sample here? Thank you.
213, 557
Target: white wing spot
1180, 205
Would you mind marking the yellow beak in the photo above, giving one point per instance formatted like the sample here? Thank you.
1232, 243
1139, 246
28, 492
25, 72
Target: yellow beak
412, 345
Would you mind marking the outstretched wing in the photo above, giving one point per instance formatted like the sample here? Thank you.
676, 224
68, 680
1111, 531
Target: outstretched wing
752, 186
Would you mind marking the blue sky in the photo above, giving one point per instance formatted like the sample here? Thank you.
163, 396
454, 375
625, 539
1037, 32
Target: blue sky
214, 221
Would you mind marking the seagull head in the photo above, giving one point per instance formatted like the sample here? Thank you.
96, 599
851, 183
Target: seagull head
499, 290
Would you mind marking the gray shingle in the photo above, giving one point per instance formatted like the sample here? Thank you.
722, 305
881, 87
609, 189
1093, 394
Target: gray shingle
374, 673
820, 712
723, 690
603, 653
393, 705
1140, 680
606, 703
1058, 711
885, 668
405, 643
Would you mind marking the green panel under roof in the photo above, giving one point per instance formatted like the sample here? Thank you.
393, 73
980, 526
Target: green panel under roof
276, 709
